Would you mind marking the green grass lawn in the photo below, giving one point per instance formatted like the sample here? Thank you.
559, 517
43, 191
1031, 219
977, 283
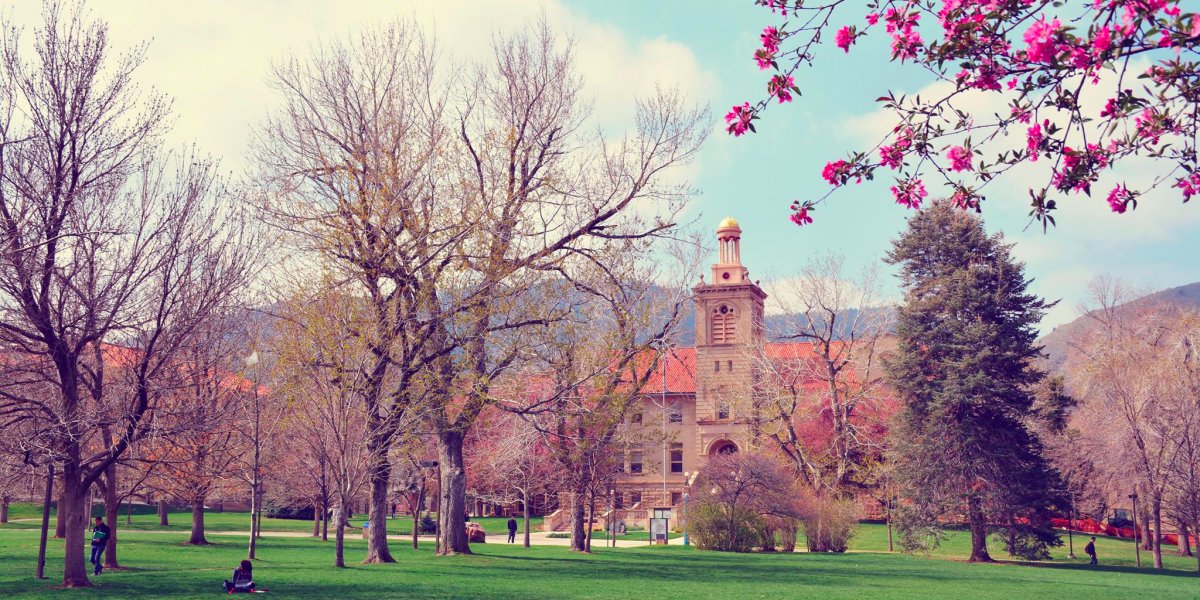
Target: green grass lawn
146, 518
162, 566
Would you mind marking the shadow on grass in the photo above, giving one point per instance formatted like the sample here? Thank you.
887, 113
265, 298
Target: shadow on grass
1102, 568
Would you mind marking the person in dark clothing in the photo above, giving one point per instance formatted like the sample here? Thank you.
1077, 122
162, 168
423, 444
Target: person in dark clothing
1090, 550
512, 530
243, 579
100, 533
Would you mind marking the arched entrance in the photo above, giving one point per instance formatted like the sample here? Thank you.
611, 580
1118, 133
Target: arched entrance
721, 447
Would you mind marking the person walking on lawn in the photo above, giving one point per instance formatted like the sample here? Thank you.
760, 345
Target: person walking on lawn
100, 533
1090, 550
512, 529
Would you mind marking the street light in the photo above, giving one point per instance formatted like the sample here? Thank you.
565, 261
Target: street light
688, 478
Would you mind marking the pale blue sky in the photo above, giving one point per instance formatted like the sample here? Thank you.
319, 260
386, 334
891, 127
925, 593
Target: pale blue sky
212, 59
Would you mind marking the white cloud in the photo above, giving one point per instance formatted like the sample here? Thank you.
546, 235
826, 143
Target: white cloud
213, 57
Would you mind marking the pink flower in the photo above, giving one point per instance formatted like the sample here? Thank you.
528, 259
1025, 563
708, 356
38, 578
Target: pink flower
801, 217
960, 158
1042, 40
1033, 141
1195, 26
844, 38
763, 58
770, 39
964, 199
781, 87
835, 172
738, 119
1102, 42
1119, 198
909, 193
1190, 185
872, 18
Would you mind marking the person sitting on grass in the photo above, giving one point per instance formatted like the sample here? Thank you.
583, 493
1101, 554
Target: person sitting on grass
243, 579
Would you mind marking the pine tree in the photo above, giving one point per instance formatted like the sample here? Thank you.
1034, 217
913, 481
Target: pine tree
964, 367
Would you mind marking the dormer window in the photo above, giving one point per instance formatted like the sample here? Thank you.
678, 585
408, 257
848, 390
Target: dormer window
723, 323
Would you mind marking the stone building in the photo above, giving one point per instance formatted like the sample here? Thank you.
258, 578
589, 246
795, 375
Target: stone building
699, 402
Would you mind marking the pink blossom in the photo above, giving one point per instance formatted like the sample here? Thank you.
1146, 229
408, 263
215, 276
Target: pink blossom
1042, 40
1033, 141
781, 87
964, 199
844, 38
1111, 109
960, 158
801, 217
1195, 31
1102, 42
1119, 198
872, 18
770, 39
738, 119
835, 172
1190, 185
763, 58
909, 193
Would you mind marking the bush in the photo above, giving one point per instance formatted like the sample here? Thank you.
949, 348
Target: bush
427, 525
288, 512
828, 523
708, 526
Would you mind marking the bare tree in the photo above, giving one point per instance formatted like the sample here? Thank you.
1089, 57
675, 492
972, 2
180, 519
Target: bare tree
821, 399
1123, 369
107, 240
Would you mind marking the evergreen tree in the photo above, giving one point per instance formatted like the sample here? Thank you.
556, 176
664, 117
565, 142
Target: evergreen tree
964, 367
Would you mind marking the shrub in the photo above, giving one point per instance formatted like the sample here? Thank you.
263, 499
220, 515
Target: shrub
289, 512
427, 525
709, 526
828, 523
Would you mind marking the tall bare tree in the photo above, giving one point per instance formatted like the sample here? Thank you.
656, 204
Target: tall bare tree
822, 401
440, 200
108, 239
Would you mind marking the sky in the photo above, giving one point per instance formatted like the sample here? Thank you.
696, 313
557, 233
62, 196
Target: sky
212, 58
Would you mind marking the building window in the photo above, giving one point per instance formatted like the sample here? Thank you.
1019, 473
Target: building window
676, 457
729, 366
618, 501
716, 366
675, 413
635, 461
676, 498
723, 325
635, 498
723, 411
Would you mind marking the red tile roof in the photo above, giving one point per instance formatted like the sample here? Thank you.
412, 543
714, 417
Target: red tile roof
681, 366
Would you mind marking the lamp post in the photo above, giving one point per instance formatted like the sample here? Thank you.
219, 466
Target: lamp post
688, 478
1137, 548
1070, 528
255, 500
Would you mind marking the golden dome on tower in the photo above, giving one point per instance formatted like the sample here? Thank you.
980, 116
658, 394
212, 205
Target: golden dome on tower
728, 223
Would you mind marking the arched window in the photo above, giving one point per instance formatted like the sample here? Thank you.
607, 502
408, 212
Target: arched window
724, 325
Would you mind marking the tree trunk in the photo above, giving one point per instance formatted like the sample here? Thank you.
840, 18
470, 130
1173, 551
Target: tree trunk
162, 513
325, 517
1147, 542
591, 519
1185, 544
979, 551
73, 515
197, 537
112, 510
1157, 506
60, 514
339, 540
316, 519
525, 507
41, 565
416, 518
253, 547
453, 484
4, 509
889, 527
578, 541
377, 511
768, 539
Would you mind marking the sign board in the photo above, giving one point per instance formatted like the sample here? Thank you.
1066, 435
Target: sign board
658, 525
